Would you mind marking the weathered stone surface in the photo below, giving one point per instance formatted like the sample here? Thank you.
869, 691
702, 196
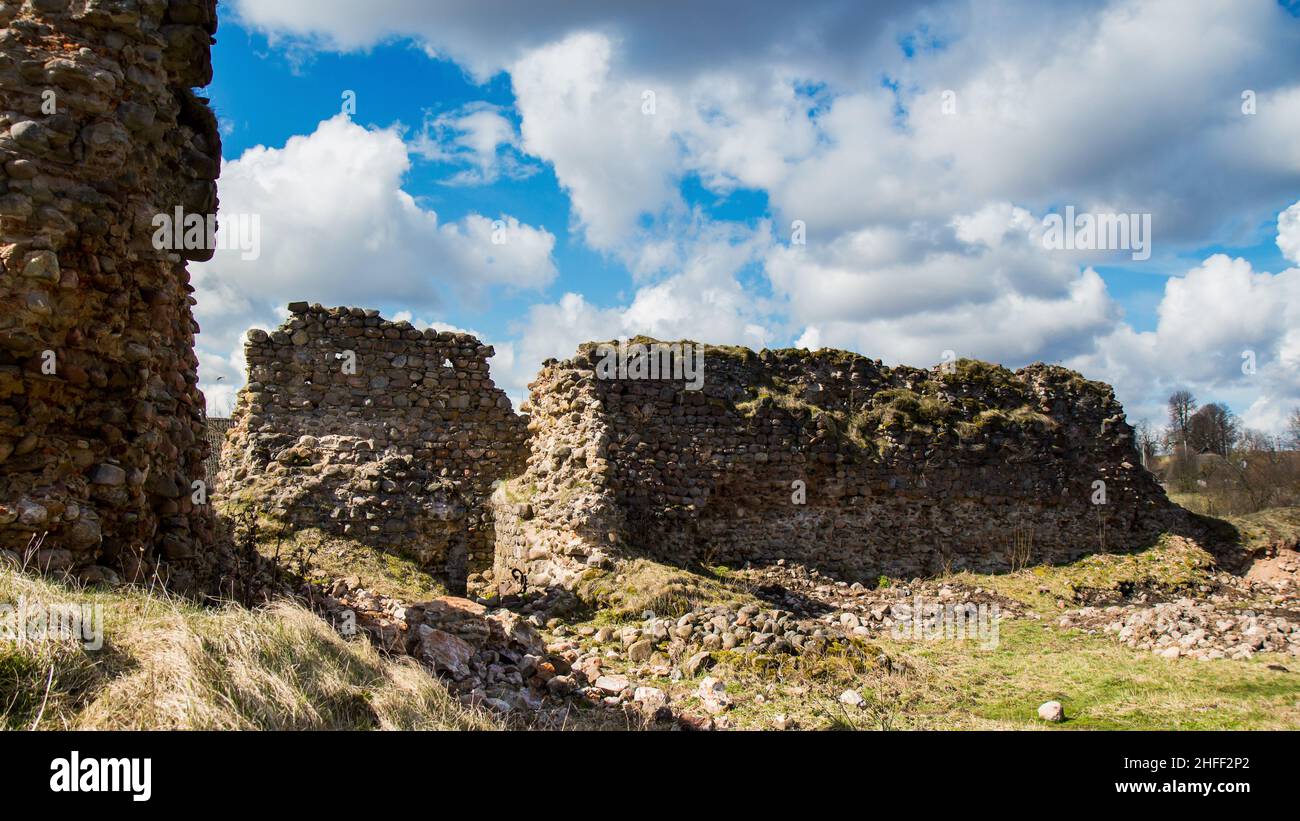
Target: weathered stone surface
713, 696
376, 431
105, 474
480, 653
445, 652
641, 650
651, 699
96, 326
43, 265
699, 662
829, 459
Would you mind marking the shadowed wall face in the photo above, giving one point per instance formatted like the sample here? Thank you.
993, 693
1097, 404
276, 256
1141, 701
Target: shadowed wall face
101, 419
828, 459
375, 431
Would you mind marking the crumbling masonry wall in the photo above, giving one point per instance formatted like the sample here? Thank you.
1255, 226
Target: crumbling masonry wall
829, 459
376, 431
101, 418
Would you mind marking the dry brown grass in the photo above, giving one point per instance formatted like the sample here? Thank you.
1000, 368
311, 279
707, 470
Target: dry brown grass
167, 664
1276, 527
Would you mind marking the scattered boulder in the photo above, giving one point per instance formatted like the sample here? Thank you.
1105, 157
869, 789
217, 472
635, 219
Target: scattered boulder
612, 685
1051, 711
713, 696
698, 663
651, 699
640, 650
445, 652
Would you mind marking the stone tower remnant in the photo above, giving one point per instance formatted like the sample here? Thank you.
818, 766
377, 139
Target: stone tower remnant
375, 431
101, 418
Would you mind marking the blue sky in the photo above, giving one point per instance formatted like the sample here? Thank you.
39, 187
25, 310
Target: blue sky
264, 95
923, 223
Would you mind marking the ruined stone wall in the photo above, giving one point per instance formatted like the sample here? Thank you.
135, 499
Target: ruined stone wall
101, 419
215, 433
904, 472
376, 431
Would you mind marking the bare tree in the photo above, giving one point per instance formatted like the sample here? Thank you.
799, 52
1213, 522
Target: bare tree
1250, 441
1255, 475
1293, 429
1148, 442
1181, 407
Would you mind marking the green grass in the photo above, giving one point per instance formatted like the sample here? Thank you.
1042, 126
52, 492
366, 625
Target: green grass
1102, 685
937, 685
997, 419
1202, 504
778, 395
901, 408
976, 371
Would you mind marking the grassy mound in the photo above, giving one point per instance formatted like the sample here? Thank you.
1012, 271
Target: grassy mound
665, 590
1171, 566
314, 555
325, 557
1276, 527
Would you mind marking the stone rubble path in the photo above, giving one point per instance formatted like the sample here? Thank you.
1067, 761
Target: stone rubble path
531, 659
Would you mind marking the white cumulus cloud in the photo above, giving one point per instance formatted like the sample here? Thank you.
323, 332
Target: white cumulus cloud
336, 227
1288, 233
